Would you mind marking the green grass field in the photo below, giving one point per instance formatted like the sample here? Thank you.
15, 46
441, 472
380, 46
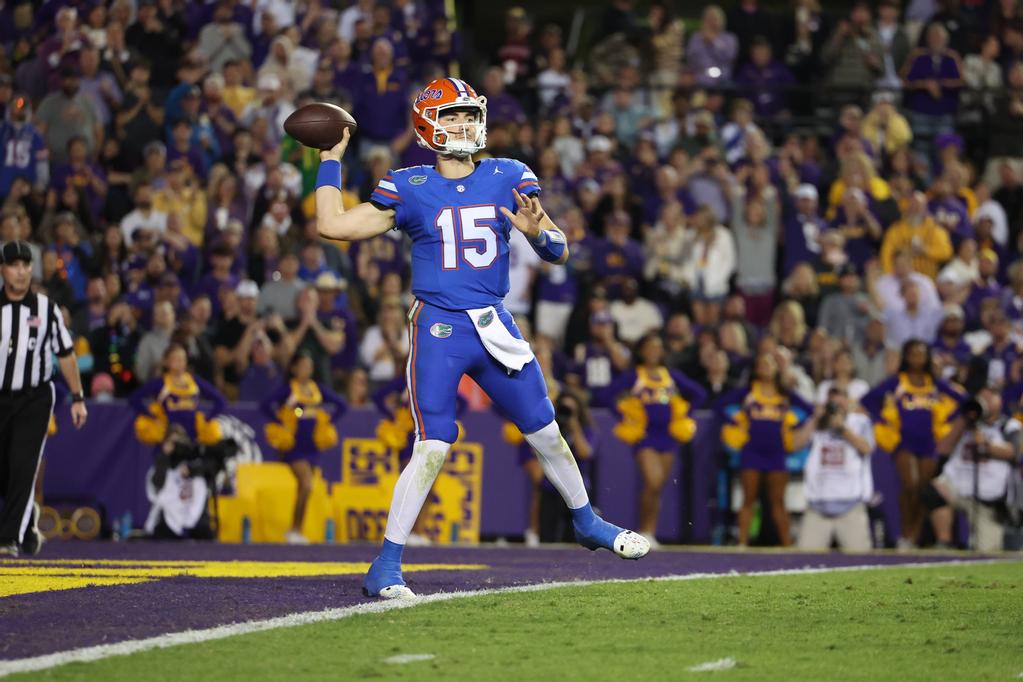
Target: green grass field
944, 622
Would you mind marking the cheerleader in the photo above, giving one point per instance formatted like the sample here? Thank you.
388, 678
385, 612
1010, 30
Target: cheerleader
911, 412
655, 420
300, 428
761, 429
173, 398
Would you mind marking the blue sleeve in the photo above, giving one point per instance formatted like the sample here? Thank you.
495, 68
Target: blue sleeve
273, 402
144, 394
332, 398
526, 182
210, 392
690, 390
873, 401
386, 195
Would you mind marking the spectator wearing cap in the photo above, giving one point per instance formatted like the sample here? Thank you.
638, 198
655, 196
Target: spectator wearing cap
154, 343
68, 113
32, 162
335, 313
617, 256
884, 127
803, 227
950, 351
224, 39
932, 77
233, 341
600, 360
712, 51
917, 232
271, 106
601, 163
158, 40
765, 79
185, 198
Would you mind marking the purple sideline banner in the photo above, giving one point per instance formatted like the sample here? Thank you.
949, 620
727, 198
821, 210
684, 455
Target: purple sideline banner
104, 464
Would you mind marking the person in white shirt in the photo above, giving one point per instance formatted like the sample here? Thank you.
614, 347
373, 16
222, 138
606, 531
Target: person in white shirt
523, 265
708, 263
975, 479
887, 289
634, 315
837, 475
144, 216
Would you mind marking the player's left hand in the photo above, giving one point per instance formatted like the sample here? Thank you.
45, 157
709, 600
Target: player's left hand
528, 216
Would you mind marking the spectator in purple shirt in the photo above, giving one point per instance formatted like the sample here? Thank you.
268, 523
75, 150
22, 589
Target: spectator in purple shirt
712, 51
985, 286
950, 211
219, 278
182, 146
381, 105
501, 106
617, 257
765, 79
82, 174
933, 78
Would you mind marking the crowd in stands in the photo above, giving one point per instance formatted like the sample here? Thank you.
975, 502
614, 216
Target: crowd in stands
817, 184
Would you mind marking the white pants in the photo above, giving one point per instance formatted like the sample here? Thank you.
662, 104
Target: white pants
851, 529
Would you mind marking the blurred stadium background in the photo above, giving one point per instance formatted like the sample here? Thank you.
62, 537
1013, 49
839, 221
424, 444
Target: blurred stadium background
817, 184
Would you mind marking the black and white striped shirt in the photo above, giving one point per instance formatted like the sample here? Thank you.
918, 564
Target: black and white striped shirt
32, 330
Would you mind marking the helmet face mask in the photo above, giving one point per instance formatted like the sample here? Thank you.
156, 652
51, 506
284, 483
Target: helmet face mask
442, 97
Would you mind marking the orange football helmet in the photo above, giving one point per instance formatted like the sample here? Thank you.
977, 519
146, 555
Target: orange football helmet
442, 94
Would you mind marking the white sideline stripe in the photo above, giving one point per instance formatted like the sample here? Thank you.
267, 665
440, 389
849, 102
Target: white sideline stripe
409, 658
714, 666
134, 646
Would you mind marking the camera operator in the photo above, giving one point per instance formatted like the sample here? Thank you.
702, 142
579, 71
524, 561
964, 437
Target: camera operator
837, 476
976, 477
574, 421
179, 484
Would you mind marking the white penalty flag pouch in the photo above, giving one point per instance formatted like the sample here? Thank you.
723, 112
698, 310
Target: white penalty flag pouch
512, 352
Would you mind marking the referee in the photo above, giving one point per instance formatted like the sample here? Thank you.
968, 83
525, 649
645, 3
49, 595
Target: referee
31, 331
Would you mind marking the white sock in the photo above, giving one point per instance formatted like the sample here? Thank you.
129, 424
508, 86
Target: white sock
559, 464
413, 487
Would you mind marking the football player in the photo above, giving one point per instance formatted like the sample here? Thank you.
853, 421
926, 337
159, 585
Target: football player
459, 215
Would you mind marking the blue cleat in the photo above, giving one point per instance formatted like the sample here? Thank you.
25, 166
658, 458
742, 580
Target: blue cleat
593, 533
384, 579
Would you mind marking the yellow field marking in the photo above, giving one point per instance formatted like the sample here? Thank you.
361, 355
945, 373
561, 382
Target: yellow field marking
25, 577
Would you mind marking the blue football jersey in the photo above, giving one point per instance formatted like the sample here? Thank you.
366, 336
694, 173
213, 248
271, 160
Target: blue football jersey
22, 148
459, 236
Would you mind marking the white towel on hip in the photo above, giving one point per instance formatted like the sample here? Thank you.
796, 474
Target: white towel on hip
512, 352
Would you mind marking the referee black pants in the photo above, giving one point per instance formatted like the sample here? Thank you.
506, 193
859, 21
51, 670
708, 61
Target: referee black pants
24, 423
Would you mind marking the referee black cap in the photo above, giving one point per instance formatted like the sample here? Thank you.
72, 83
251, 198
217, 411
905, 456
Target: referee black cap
16, 250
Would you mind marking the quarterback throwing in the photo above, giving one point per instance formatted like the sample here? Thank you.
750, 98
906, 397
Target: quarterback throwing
459, 215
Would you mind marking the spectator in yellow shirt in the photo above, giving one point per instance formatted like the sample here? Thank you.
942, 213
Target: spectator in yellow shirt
884, 127
237, 95
185, 196
920, 235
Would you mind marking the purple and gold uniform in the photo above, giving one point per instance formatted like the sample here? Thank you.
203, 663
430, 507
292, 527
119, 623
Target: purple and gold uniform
760, 428
166, 400
460, 262
655, 410
911, 418
301, 425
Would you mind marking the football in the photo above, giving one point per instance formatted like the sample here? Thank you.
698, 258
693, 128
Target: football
319, 125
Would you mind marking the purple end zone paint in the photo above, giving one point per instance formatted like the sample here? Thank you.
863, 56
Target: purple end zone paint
47, 622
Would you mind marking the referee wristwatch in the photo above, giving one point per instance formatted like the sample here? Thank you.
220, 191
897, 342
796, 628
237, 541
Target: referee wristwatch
78, 397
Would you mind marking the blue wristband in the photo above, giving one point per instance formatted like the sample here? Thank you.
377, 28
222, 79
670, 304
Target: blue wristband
329, 174
549, 245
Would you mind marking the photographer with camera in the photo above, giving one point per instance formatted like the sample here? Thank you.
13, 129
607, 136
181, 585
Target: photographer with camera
179, 484
837, 476
975, 479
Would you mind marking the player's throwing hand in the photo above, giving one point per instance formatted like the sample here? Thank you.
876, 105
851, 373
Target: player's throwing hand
337, 151
528, 217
